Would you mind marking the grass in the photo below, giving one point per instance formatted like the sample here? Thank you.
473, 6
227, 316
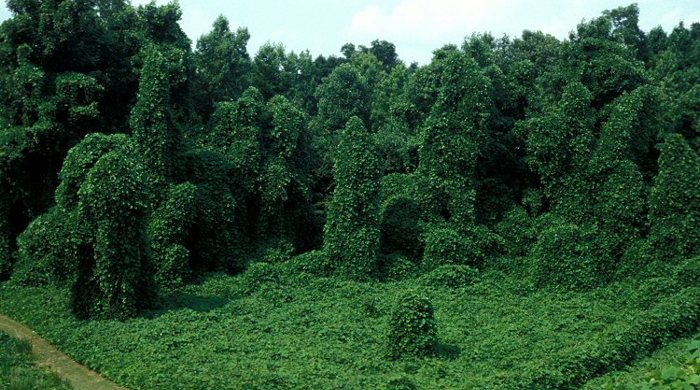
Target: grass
228, 332
17, 368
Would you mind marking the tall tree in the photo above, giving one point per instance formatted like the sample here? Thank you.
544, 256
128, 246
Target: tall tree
351, 235
452, 139
223, 63
271, 74
152, 118
674, 202
559, 147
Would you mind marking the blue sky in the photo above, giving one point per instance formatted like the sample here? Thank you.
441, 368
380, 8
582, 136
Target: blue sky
417, 27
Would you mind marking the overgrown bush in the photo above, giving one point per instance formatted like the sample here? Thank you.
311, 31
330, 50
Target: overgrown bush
687, 273
451, 276
47, 249
401, 383
635, 259
80, 159
315, 263
258, 274
444, 245
397, 267
412, 327
518, 232
218, 231
564, 257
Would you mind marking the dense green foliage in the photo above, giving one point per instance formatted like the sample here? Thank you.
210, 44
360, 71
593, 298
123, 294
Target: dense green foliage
412, 327
351, 237
115, 275
18, 370
674, 202
168, 231
544, 194
330, 332
675, 366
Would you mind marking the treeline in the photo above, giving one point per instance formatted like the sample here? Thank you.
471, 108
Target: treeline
131, 163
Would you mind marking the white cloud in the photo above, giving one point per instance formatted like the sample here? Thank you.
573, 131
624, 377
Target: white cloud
430, 20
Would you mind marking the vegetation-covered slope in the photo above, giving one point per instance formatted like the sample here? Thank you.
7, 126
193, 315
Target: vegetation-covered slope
518, 213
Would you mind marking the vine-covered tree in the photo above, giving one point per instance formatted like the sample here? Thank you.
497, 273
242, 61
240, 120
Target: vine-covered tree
115, 274
169, 233
452, 139
674, 202
559, 148
351, 235
152, 121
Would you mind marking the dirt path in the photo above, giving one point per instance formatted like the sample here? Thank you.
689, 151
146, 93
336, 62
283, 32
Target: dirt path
49, 358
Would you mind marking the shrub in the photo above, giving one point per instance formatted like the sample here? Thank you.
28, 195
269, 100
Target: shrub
518, 232
444, 245
80, 159
532, 201
278, 251
687, 273
47, 250
635, 259
564, 257
400, 230
620, 208
258, 274
398, 267
48, 247
450, 276
315, 263
401, 383
412, 327
217, 234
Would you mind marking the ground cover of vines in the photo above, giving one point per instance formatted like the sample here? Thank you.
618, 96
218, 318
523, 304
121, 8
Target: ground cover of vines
322, 332
520, 212
673, 366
